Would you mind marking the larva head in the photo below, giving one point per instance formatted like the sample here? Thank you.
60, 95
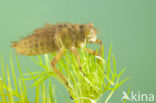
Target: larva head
89, 32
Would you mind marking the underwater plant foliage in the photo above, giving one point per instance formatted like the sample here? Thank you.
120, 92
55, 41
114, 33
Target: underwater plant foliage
101, 76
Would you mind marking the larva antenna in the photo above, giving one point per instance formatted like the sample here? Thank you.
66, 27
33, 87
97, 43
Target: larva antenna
99, 31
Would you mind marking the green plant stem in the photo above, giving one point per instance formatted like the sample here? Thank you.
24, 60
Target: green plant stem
109, 96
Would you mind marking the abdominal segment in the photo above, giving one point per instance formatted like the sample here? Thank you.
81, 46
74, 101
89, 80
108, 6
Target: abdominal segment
35, 45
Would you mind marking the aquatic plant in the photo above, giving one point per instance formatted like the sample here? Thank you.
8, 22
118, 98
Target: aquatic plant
100, 76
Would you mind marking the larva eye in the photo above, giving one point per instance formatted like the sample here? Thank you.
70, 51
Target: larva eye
60, 26
91, 32
81, 26
65, 25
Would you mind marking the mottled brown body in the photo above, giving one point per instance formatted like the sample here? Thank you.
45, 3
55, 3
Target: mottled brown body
47, 39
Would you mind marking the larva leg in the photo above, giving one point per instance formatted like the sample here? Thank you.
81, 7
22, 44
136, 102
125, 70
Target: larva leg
75, 52
54, 61
98, 41
93, 52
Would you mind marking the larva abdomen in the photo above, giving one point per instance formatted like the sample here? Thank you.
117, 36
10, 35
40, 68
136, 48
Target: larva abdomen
35, 45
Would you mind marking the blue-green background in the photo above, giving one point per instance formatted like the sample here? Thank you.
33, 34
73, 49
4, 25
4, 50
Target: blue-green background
130, 25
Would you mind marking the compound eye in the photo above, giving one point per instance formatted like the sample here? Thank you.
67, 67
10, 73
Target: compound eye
81, 26
61, 26
92, 32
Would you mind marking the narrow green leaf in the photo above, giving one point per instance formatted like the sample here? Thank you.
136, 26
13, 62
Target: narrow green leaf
13, 72
114, 65
108, 64
43, 78
123, 81
51, 92
109, 96
3, 70
15, 93
1, 91
32, 73
122, 71
40, 63
127, 94
43, 93
10, 88
110, 81
37, 94
37, 76
22, 94
46, 56
21, 76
